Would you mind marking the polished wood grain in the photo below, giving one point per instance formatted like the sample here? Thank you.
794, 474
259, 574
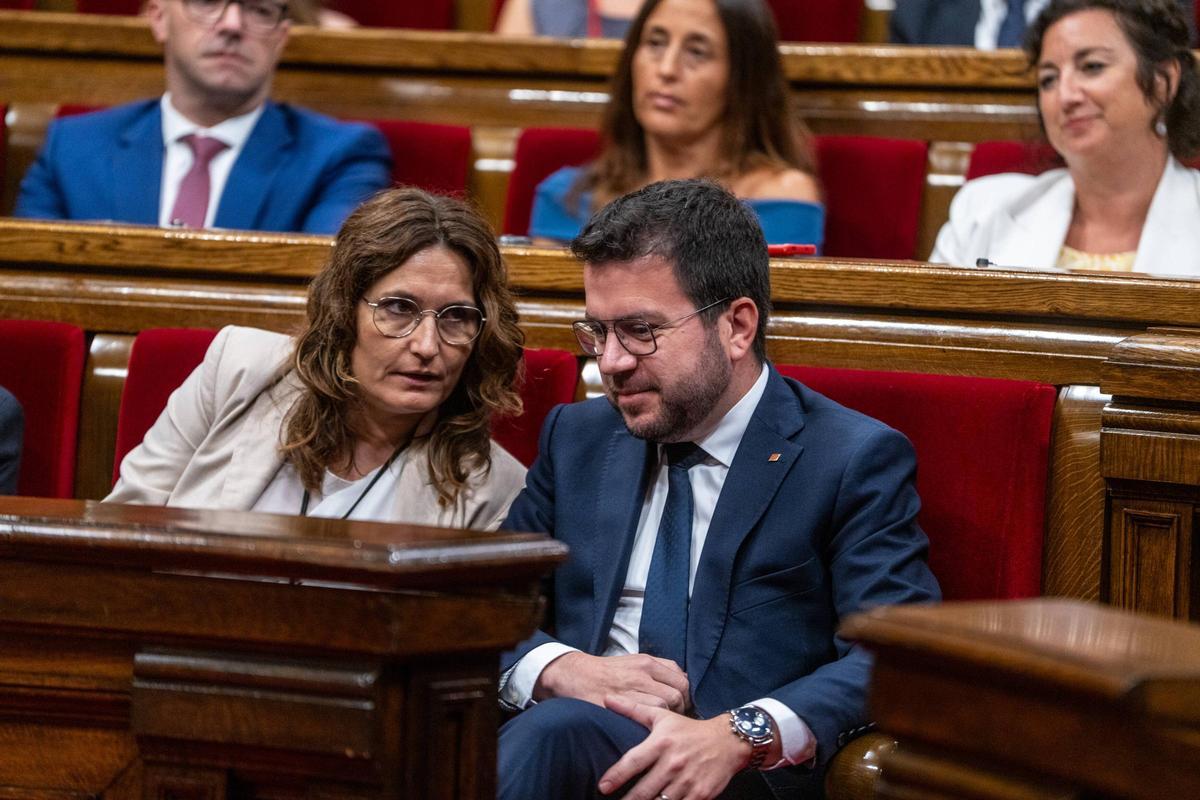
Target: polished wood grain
1034, 699
152, 652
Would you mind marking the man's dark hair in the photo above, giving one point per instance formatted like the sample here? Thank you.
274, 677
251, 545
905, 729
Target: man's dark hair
712, 240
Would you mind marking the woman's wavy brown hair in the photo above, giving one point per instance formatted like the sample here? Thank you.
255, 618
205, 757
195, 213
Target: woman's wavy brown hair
761, 126
379, 236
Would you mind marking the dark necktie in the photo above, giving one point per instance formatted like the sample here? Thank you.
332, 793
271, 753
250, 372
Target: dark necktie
1012, 30
663, 628
191, 205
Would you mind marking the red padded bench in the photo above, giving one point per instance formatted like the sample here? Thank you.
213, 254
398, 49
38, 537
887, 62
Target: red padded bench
982, 457
41, 363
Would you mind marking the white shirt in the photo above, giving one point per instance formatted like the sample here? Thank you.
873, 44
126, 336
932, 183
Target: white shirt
285, 493
177, 156
706, 478
991, 17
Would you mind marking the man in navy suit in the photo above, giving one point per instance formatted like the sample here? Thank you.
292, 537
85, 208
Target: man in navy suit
12, 430
722, 520
270, 167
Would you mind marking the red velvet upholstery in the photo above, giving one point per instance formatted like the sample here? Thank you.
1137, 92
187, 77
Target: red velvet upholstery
426, 14
436, 158
873, 192
817, 20
1031, 158
541, 151
19, 5
41, 363
126, 7
550, 378
163, 357
160, 360
71, 109
982, 451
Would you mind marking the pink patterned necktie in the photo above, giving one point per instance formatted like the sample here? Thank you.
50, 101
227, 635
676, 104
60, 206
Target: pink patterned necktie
192, 202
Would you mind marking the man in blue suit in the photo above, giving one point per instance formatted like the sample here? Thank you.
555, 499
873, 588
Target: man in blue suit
213, 151
12, 431
722, 520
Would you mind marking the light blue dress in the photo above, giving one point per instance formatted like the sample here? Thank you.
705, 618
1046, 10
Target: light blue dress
783, 221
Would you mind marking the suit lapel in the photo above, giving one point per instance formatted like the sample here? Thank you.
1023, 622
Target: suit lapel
253, 173
1035, 225
751, 485
137, 168
618, 496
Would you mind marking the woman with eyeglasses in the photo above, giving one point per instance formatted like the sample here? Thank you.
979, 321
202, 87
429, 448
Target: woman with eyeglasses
380, 408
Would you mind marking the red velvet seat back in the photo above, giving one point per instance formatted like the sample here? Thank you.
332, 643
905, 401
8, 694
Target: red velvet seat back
982, 454
817, 20
436, 158
163, 357
160, 360
541, 151
1030, 158
435, 15
41, 363
126, 7
873, 192
551, 377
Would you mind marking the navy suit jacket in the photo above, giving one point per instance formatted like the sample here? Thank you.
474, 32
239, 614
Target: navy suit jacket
952, 22
12, 431
795, 544
299, 170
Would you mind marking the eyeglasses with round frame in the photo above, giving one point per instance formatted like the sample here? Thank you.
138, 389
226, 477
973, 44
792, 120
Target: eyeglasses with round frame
636, 335
397, 317
260, 16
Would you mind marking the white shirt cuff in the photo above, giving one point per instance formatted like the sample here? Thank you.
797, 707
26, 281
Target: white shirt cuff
516, 685
796, 740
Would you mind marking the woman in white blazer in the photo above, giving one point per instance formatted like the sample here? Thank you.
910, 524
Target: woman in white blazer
1119, 100
380, 408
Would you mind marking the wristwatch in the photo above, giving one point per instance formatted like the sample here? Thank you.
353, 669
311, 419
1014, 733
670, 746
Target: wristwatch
755, 727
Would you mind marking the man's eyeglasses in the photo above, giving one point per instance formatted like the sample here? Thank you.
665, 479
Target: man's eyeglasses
635, 335
397, 317
260, 16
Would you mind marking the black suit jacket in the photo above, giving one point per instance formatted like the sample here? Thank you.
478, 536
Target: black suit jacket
12, 430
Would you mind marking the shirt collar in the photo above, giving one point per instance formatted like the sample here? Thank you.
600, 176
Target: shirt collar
233, 131
721, 443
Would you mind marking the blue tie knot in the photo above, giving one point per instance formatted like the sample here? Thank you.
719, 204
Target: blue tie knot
684, 455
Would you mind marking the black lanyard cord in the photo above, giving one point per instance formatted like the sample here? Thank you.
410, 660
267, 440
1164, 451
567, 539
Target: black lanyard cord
370, 486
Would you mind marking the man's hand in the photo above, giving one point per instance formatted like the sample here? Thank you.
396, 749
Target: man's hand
682, 758
654, 682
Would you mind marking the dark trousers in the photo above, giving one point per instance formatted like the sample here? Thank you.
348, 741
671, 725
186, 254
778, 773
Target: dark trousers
559, 748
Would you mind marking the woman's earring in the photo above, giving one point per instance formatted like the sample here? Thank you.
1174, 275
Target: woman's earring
1160, 128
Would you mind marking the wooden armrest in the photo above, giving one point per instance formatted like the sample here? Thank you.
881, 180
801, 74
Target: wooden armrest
854, 771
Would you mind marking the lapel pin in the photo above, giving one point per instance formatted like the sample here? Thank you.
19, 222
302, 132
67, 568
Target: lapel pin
773, 457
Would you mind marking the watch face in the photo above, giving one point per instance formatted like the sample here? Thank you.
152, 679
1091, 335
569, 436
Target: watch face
752, 722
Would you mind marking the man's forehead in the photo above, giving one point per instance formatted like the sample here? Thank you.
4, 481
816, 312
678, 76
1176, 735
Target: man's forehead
637, 287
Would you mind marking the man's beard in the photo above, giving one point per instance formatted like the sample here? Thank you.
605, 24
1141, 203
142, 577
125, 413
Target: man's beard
684, 405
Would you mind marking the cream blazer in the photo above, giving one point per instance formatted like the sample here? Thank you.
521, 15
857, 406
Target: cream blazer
1021, 221
216, 445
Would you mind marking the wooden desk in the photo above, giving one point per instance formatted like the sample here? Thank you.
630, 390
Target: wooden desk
495, 85
1034, 700
159, 653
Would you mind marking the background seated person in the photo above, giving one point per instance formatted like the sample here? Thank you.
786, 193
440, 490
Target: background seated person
12, 432
1119, 99
699, 92
567, 18
380, 409
984, 24
213, 151
721, 518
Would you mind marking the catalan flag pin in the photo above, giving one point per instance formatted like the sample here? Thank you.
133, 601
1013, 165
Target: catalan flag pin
773, 457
